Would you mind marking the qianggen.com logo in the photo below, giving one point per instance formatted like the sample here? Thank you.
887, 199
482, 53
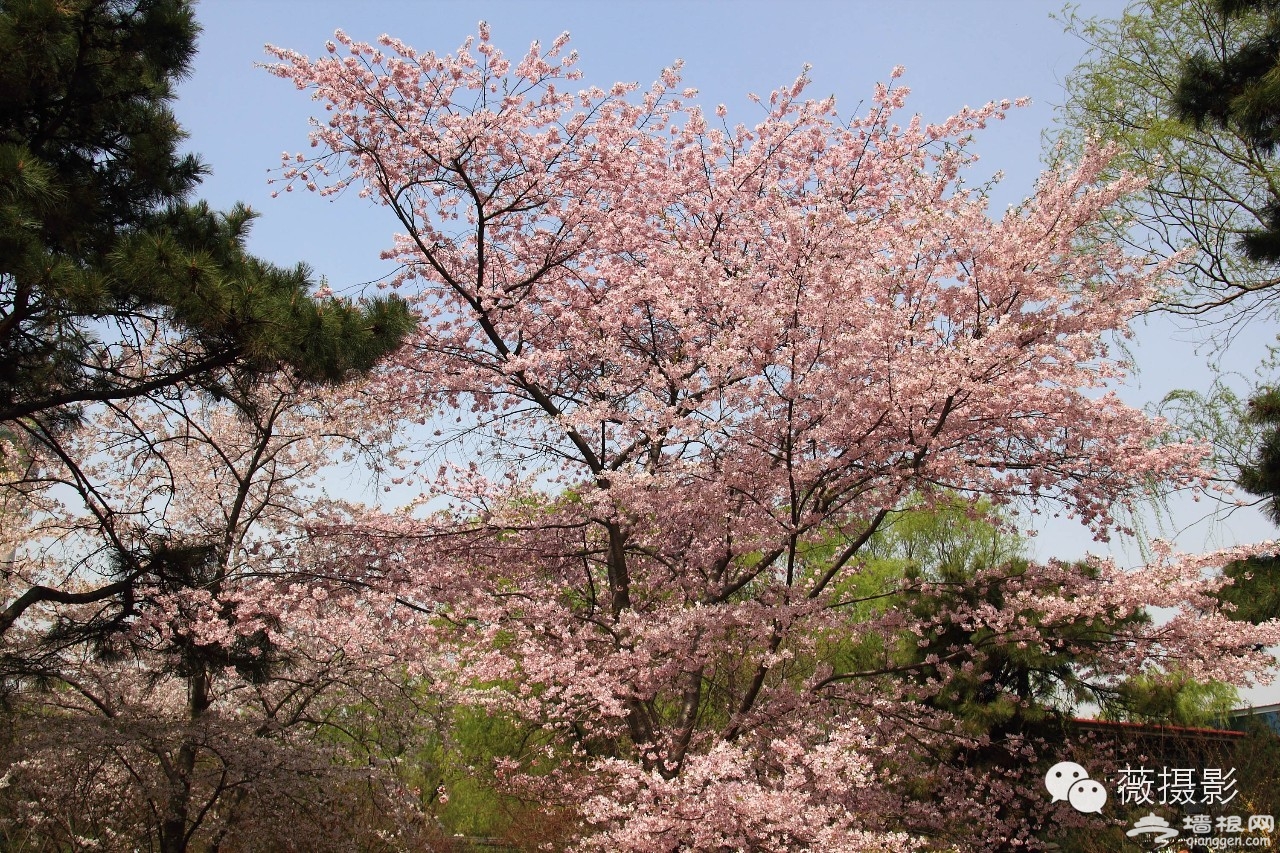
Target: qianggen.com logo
1218, 842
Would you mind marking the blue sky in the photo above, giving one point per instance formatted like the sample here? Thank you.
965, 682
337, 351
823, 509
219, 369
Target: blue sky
956, 52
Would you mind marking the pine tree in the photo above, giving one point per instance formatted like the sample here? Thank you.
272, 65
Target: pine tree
115, 284
1242, 90
1255, 589
103, 255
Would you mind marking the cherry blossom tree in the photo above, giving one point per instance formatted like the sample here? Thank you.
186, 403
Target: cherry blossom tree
679, 373
232, 698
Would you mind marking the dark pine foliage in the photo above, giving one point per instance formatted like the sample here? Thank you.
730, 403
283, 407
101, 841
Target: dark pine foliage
102, 248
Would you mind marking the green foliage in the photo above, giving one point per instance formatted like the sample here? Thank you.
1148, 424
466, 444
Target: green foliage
1172, 698
477, 739
455, 763
950, 540
112, 283
1217, 417
1245, 434
1255, 591
84, 91
1241, 87
951, 559
1241, 90
1207, 187
1187, 91
1261, 474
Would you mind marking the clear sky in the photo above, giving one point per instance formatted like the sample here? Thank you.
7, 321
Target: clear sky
956, 52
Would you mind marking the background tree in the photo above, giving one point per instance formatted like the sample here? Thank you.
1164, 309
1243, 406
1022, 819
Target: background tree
1241, 90
682, 372
233, 698
1182, 88
1207, 186
1255, 593
1171, 698
1261, 474
113, 284
1015, 700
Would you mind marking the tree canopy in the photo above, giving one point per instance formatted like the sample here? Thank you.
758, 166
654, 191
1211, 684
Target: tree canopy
692, 368
1240, 89
112, 282
1208, 185
710, 434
